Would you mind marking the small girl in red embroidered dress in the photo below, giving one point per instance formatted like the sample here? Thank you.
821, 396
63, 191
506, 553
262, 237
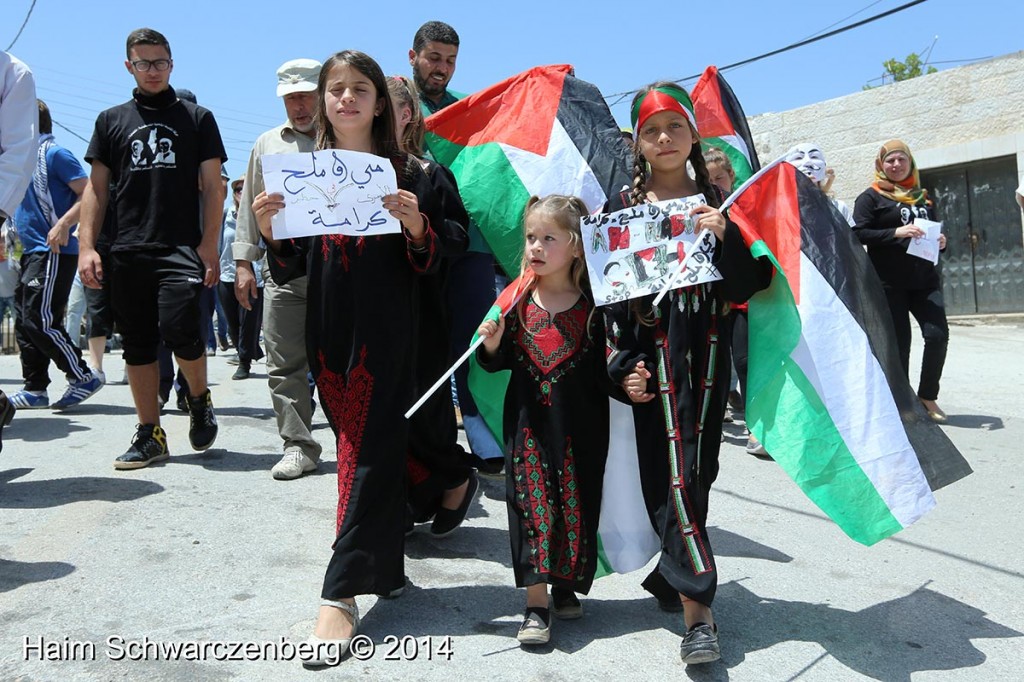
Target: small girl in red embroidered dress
555, 418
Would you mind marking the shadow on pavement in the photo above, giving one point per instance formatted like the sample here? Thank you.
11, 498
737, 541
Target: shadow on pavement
922, 631
53, 493
217, 459
974, 421
14, 574
252, 412
727, 543
468, 542
40, 426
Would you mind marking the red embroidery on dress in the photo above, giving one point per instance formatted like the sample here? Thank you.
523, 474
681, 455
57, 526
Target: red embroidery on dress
416, 470
347, 399
532, 496
549, 340
571, 557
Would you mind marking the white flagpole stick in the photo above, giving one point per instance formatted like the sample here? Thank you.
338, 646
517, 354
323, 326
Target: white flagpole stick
679, 268
444, 377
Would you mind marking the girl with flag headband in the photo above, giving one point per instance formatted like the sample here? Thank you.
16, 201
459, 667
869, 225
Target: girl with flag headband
674, 366
555, 416
883, 217
361, 318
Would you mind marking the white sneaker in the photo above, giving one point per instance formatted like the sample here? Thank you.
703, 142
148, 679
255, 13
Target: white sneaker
293, 465
101, 374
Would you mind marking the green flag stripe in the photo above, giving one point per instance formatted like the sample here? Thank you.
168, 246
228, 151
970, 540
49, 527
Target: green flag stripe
492, 192
805, 441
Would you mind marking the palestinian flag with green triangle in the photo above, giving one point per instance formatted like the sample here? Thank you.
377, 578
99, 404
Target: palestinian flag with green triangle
826, 391
541, 132
723, 124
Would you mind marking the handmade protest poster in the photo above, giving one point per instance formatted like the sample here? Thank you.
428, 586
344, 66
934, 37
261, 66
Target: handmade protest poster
633, 252
331, 191
926, 247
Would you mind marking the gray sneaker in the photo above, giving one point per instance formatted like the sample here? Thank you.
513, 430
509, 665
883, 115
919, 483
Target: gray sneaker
534, 630
700, 645
292, 465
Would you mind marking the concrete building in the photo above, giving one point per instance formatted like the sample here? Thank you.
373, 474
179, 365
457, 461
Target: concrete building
966, 129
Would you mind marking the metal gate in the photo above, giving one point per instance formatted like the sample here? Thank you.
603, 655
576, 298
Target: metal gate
983, 266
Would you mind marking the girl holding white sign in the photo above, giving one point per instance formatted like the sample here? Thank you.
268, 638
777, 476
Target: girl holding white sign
679, 413
361, 317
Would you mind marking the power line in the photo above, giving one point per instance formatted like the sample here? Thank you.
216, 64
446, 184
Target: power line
23, 25
622, 95
58, 123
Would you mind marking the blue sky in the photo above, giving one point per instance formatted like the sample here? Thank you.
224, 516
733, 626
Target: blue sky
226, 51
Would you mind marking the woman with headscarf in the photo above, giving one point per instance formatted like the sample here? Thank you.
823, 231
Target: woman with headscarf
884, 217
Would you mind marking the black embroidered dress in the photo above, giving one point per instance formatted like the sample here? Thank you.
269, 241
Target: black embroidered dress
556, 431
361, 317
679, 433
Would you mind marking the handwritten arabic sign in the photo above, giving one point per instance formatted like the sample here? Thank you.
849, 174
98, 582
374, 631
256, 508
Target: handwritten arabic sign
331, 191
633, 252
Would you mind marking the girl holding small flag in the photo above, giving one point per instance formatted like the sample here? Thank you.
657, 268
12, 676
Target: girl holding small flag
673, 366
555, 417
360, 339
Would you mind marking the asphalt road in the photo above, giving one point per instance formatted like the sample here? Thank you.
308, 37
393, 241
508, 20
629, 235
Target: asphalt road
99, 567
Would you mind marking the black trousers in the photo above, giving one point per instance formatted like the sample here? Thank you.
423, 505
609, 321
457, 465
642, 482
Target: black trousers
156, 296
243, 325
40, 301
927, 307
740, 347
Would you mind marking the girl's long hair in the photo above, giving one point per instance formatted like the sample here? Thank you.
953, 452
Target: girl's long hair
383, 131
403, 90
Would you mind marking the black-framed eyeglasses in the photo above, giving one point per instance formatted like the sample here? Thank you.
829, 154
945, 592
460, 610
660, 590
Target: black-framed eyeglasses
144, 65
237, 190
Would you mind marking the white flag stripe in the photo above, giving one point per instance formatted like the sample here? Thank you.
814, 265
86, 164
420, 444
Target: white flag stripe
838, 361
628, 540
563, 170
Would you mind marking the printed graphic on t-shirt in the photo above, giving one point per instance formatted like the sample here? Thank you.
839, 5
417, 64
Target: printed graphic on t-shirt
153, 147
908, 213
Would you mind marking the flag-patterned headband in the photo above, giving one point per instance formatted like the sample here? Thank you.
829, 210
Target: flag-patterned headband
662, 99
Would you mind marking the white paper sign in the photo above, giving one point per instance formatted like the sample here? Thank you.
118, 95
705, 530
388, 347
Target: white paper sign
332, 191
926, 247
632, 252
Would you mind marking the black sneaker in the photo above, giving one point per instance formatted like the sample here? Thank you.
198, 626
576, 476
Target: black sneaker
700, 645
565, 605
181, 401
202, 429
148, 446
7, 410
242, 372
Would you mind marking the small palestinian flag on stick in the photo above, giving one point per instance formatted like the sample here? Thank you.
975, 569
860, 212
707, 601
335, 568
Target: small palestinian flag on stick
541, 132
723, 124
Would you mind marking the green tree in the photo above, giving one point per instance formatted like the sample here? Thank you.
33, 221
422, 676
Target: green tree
911, 67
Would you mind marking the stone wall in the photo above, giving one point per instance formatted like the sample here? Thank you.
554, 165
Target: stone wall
964, 114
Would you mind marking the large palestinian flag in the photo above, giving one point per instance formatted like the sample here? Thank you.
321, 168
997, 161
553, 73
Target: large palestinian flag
541, 132
827, 394
723, 124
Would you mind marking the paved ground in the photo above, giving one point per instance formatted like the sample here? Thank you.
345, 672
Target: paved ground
209, 548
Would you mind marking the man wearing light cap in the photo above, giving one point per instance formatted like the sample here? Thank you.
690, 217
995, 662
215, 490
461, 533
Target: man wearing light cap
284, 306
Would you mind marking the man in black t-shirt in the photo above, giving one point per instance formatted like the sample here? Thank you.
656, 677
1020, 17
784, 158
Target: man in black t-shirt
151, 149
